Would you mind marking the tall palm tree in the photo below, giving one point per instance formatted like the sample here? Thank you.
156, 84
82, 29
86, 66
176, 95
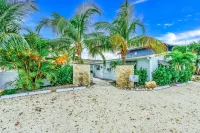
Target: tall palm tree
123, 29
74, 30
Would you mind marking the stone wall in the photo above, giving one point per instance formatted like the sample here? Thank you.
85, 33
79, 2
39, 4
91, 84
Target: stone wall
81, 75
123, 73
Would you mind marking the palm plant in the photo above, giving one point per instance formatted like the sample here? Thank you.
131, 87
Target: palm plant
74, 30
181, 60
122, 32
12, 15
194, 48
31, 62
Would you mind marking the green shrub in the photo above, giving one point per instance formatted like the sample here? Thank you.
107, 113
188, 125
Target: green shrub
64, 75
185, 75
113, 64
10, 92
162, 76
142, 76
175, 74
167, 75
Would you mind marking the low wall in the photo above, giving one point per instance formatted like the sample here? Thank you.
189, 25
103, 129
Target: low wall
6, 77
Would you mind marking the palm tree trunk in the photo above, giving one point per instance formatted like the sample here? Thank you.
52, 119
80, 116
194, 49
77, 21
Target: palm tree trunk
79, 58
79, 51
124, 59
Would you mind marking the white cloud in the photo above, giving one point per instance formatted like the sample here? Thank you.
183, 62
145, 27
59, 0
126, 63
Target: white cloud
158, 24
168, 25
181, 38
188, 15
140, 1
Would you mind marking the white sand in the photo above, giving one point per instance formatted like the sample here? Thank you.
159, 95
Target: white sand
104, 109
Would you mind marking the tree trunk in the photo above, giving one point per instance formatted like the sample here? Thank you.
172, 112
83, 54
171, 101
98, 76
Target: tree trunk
79, 58
79, 51
124, 59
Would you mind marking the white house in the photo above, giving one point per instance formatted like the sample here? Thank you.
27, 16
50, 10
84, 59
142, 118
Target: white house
148, 62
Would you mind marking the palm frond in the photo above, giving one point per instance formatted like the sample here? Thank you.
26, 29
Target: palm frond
12, 41
13, 13
149, 42
133, 26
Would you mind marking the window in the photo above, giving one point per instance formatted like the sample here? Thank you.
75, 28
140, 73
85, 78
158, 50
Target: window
109, 69
98, 67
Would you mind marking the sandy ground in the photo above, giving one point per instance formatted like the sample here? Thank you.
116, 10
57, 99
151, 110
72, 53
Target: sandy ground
104, 109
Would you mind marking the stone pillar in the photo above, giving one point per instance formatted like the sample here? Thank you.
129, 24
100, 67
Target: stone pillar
123, 73
81, 75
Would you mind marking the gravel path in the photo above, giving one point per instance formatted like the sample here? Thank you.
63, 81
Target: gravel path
104, 109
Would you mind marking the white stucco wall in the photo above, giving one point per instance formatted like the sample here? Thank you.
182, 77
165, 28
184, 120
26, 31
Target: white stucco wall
154, 63
103, 72
144, 63
98, 73
8, 76
109, 74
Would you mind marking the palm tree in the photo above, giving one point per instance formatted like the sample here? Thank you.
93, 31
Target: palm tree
194, 48
12, 15
74, 30
181, 60
122, 32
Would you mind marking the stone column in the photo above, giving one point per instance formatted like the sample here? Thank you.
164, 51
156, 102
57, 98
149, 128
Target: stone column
81, 75
123, 73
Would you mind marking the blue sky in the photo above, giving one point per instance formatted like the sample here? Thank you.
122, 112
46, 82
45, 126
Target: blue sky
173, 21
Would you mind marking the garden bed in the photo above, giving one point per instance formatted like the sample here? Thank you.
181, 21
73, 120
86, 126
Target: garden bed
14, 93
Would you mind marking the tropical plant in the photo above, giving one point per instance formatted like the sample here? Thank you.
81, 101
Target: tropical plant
9, 92
74, 30
123, 29
142, 73
181, 60
182, 49
64, 75
167, 75
113, 64
13, 13
30, 61
185, 75
162, 76
194, 48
